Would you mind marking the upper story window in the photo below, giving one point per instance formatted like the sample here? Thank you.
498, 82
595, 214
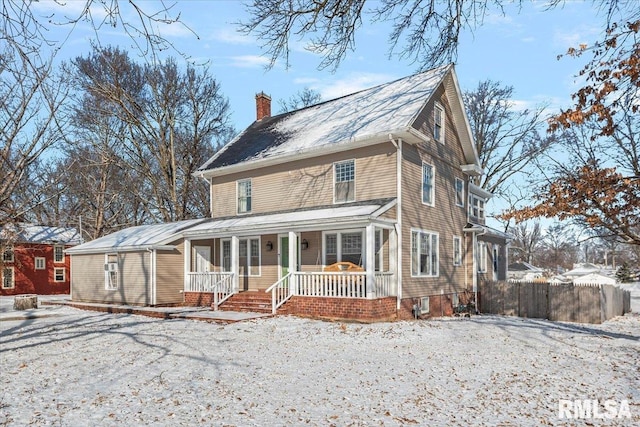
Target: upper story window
39, 263
7, 255
344, 181
58, 253
424, 253
438, 123
244, 196
459, 187
476, 206
428, 184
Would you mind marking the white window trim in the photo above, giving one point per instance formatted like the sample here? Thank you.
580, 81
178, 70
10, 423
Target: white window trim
338, 234
64, 274
9, 250
495, 261
249, 265
41, 259
13, 277
430, 233
107, 286
222, 256
455, 189
437, 106
482, 257
238, 196
472, 203
54, 254
433, 185
457, 261
355, 174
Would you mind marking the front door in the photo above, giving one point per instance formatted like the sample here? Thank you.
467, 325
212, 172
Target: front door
203, 259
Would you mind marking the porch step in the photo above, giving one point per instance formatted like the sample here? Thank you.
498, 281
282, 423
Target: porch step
254, 301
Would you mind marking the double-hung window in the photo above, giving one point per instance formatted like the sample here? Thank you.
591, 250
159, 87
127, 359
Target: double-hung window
457, 251
438, 123
424, 253
58, 254
343, 246
244, 196
248, 256
58, 274
8, 281
459, 187
7, 254
481, 254
428, 184
344, 181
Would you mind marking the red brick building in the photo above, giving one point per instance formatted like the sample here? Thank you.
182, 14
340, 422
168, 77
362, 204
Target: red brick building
34, 260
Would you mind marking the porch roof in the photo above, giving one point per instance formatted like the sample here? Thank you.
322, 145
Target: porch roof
306, 220
138, 238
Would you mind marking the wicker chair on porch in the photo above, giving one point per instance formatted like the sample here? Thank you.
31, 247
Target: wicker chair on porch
344, 266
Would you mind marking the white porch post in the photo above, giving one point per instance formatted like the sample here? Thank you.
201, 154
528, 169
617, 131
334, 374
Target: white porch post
293, 261
393, 254
187, 263
235, 262
370, 264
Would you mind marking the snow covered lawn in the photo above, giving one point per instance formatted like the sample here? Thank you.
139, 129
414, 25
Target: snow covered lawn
90, 369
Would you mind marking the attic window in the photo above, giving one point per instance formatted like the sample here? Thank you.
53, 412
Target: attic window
438, 123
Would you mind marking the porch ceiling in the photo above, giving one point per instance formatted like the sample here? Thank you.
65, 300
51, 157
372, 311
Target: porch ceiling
307, 220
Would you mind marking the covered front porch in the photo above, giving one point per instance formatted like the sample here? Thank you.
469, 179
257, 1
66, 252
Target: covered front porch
334, 254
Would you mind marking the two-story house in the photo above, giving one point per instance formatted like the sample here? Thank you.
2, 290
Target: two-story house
359, 207
34, 260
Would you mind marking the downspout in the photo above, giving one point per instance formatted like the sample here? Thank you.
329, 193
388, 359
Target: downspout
152, 276
398, 225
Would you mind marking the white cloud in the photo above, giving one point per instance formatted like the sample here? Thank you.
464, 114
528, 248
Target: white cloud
350, 84
228, 35
573, 37
249, 61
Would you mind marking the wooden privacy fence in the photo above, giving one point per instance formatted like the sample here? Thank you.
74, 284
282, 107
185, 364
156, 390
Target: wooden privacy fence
564, 302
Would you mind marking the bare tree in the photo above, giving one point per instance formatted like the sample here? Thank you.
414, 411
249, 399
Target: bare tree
559, 249
424, 31
527, 238
507, 140
158, 123
32, 94
304, 98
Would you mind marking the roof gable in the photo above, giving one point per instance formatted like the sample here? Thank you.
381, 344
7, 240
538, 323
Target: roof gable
368, 114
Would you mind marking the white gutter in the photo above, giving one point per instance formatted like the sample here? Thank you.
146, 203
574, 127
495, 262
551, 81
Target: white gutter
118, 249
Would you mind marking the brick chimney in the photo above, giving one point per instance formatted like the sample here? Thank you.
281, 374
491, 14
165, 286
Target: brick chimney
263, 106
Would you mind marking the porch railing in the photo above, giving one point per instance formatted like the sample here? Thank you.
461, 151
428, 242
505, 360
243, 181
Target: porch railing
217, 283
330, 285
281, 291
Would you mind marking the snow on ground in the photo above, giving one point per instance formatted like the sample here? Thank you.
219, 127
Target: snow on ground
96, 369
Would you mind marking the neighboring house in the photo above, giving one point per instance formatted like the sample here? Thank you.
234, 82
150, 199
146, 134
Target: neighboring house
34, 259
594, 279
378, 183
524, 271
140, 265
580, 270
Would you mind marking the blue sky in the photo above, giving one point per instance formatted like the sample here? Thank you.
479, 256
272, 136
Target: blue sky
518, 49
